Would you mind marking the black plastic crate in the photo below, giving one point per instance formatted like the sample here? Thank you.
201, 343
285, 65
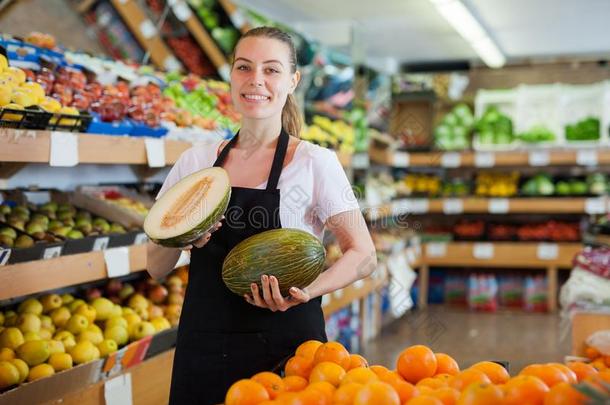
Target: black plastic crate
28, 118
70, 123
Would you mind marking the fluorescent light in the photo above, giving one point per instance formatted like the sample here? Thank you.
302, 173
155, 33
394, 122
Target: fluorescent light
462, 20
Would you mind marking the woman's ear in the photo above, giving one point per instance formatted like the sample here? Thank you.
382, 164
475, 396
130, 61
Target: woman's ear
296, 78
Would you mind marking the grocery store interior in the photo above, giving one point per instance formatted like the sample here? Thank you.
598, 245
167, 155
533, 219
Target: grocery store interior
475, 135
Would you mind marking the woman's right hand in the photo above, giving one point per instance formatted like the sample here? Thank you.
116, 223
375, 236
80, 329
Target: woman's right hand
205, 238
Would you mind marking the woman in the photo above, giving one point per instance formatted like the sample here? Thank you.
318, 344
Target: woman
277, 181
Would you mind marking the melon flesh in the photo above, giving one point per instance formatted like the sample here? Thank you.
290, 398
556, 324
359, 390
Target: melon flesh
189, 208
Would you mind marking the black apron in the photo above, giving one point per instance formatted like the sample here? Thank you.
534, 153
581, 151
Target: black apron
221, 337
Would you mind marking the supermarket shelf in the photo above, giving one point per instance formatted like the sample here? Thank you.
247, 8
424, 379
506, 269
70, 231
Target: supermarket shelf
583, 325
145, 32
536, 157
21, 279
474, 205
355, 292
235, 15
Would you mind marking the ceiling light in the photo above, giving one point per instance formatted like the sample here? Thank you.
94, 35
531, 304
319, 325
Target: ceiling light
462, 20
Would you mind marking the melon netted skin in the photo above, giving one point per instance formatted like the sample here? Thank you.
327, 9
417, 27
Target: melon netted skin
294, 257
190, 208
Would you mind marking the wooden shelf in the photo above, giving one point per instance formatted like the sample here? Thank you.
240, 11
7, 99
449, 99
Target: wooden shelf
25, 278
355, 292
475, 205
28, 146
145, 32
556, 157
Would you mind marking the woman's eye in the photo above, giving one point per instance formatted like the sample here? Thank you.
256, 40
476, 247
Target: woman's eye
242, 67
272, 70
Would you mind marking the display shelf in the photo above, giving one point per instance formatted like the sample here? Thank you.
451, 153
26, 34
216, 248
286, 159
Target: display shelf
475, 205
583, 325
534, 157
236, 16
146, 33
355, 292
25, 278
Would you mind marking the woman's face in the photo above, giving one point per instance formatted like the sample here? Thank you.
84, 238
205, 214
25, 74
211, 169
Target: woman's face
261, 77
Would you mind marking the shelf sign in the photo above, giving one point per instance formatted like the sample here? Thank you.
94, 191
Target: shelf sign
117, 391
484, 159
182, 11
400, 159
155, 152
547, 251
117, 261
338, 293
358, 284
52, 252
101, 243
586, 157
400, 207
436, 249
453, 206
418, 206
64, 149
5, 254
595, 206
498, 206
451, 159
360, 161
148, 29
539, 158
483, 251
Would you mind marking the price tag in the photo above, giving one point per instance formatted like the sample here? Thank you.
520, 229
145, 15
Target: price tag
358, 284
547, 251
451, 159
52, 252
182, 11
436, 249
338, 293
453, 206
400, 207
539, 158
38, 197
64, 149
483, 251
155, 152
117, 261
171, 63
595, 206
5, 254
140, 239
101, 243
225, 72
400, 159
484, 159
498, 206
325, 300
419, 206
360, 161
148, 29
586, 157
117, 391
237, 18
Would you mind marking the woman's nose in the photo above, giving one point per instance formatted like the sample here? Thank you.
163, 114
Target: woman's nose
257, 79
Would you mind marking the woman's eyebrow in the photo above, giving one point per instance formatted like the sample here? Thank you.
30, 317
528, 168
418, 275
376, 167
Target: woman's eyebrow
267, 61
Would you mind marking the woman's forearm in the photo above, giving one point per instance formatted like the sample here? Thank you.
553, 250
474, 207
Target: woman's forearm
352, 266
160, 260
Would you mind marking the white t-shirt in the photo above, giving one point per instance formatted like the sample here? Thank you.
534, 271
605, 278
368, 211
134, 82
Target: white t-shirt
313, 186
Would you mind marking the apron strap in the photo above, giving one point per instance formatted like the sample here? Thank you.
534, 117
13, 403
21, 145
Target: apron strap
225, 151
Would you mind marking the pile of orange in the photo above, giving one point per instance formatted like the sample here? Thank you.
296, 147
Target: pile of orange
598, 360
327, 374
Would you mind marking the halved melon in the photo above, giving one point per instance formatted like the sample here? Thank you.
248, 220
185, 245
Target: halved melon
189, 208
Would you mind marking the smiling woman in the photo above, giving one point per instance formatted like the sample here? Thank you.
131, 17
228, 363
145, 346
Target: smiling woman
277, 181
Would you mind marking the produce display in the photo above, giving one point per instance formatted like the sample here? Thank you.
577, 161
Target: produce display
214, 20
115, 197
51, 333
325, 132
537, 134
274, 253
543, 185
494, 128
189, 208
587, 129
326, 373
454, 130
493, 184
552, 231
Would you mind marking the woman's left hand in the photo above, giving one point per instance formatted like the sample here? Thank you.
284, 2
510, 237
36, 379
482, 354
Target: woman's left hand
271, 298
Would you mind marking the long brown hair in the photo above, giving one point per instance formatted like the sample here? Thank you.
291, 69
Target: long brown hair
292, 121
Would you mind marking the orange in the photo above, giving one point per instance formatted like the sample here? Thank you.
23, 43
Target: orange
415, 363
564, 394
447, 395
291, 398
599, 364
377, 393
572, 378
345, 394
308, 349
379, 370
359, 375
446, 364
424, 400
269, 402
550, 375
467, 377
404, 389
298, 365
327, 371
272, 382
525, 389
294, 383
481, 394
357, 360
496, 373
582, 370
444, 377
607, 361
592, 353
433, 383
325, 389
333, 352
246, 392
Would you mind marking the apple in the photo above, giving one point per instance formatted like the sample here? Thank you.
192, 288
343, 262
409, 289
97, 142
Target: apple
157, 294
143, 329
175, 298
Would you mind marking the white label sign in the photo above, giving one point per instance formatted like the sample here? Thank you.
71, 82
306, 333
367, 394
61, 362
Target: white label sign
117, 261
453, 206
451, 159
64, 149
400, 159
5, 254
595, 206
436, 249
483, 251
547, 251
155, 152
38, 197
101, 243
238, 19
400, 207
141, 238
182, 11
117, 391
358, 284
498, 206
419, 206
586, 157
484, 159
360, 161
539, 158
338, 293
52, 252
148, 29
